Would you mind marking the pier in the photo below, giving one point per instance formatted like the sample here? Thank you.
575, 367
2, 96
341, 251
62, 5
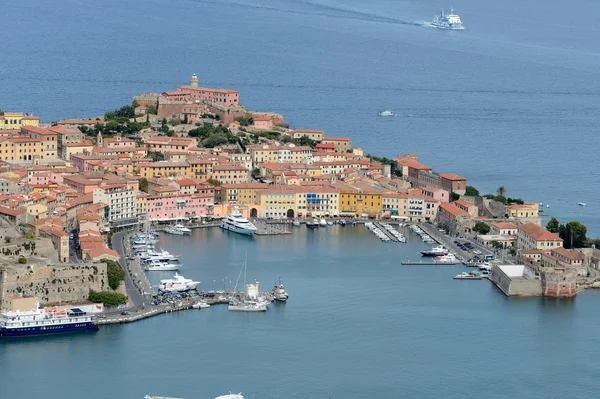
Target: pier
386, 232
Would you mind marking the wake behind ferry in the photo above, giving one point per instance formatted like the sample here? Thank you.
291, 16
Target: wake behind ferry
448, 21
43, 321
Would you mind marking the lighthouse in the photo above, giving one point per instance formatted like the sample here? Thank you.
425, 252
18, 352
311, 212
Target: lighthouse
194, 81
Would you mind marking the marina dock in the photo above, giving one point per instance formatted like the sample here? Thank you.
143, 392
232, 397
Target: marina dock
424, 263
386, 232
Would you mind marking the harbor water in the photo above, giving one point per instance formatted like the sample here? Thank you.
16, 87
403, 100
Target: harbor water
357, 325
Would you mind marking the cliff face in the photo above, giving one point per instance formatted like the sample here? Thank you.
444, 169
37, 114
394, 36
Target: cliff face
53, 284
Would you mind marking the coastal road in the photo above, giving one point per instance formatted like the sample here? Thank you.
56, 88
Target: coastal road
134, 294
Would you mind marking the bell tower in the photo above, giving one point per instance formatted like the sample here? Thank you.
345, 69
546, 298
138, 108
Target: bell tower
194, 81
99, 140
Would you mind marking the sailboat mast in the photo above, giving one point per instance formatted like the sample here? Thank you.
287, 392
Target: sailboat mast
245, 268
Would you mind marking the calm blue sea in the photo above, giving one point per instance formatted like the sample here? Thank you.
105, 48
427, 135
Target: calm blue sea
357, 325
511, 101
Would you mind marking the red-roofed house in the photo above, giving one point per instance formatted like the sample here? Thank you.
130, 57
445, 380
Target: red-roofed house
534, 236
467, 207
340, 144
263, 122
453, 183
449, 211
504, 228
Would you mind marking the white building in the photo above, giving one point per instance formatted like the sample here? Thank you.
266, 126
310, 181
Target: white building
122, 204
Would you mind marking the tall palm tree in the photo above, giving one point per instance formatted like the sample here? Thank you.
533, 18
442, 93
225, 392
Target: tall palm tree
501, 191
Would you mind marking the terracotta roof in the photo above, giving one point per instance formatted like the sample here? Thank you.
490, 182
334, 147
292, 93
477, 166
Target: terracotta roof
411, 163
325, 139
38, 130
463, 203
572, 255
452, 176
186, 182
504, 225
452, 209
262, 118
538, 233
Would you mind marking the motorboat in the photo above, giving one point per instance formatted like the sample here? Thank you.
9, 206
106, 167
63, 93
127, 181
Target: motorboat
387, 112
581, 204
436, 251
343, 222
448, 21
182, 228
296, 223
279, 292
174, 231
159, 256
155, 266
448, 259
237, 223
313, 225
323, 222
177, 284
200, 305
231, 396
246, 306
468, 276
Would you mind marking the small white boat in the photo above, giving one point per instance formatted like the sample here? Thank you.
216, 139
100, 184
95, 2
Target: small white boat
581, 204
330, 223
468, 276
200, 305
231, 396
323, 222
387, 112
296, 223
279, 292
155, 266
182, 228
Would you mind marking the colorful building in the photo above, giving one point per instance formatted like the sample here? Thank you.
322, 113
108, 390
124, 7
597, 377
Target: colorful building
179, 207
16, 120
534, 236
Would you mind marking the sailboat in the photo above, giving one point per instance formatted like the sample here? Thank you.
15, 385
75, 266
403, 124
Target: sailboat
246, 304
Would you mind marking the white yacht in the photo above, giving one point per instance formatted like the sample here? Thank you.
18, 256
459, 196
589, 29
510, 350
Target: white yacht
174, 231
436, 251
237, 223
155, 266
448, 21
231, 396
323, 222
247, 306
177, 284
200, 305
182, 228
160, 256
387, 112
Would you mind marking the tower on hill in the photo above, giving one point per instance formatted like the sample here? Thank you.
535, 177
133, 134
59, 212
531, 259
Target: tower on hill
194, 81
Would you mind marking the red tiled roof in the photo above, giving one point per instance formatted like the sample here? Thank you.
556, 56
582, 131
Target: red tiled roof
452, 176
538, 233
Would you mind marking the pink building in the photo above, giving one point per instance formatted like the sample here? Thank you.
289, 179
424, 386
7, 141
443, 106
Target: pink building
262, 122
168, 144
177, 207
223, 97
437, 193
118, 142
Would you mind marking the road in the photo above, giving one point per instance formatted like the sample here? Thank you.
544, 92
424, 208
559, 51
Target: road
139, 301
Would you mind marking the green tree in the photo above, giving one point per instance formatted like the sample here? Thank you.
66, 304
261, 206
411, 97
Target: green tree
497, 244
454, 196
156, 156
501, 191
573, 234
115, 273
306, 141
143, 182
151, 109
481, 228
245, 120
471, 191
108, 298
256, 173
553, 226
213, 182
185, 119
512, 252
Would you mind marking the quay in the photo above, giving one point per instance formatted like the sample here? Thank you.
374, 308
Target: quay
386, 232
412, 263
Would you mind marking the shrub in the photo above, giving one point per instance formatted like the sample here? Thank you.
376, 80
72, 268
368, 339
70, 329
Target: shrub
22, 260
115, 273
107, 298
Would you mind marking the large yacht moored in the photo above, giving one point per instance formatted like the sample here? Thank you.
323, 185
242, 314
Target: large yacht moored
237, 223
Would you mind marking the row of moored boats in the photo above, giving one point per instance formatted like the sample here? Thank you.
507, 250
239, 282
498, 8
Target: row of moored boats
398, 237
424, 236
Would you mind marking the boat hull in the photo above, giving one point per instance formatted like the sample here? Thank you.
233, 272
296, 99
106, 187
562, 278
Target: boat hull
238, 230
235, 308
48, 330
162, 269
432, 255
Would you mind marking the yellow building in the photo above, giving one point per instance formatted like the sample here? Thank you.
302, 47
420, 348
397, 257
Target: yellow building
20, 148
15, 120
318, 201
313, 134
79, 147
534, 236
278, 202
361, 203
241, 193
527, 210
149, 170
142, 203
263, 153
47, 137
37, 211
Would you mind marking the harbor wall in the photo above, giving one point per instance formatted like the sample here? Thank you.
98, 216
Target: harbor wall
524, 285
53, 284
559, 285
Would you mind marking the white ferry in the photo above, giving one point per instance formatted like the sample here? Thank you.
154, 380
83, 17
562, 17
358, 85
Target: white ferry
448, 21
43, 321
237, 223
